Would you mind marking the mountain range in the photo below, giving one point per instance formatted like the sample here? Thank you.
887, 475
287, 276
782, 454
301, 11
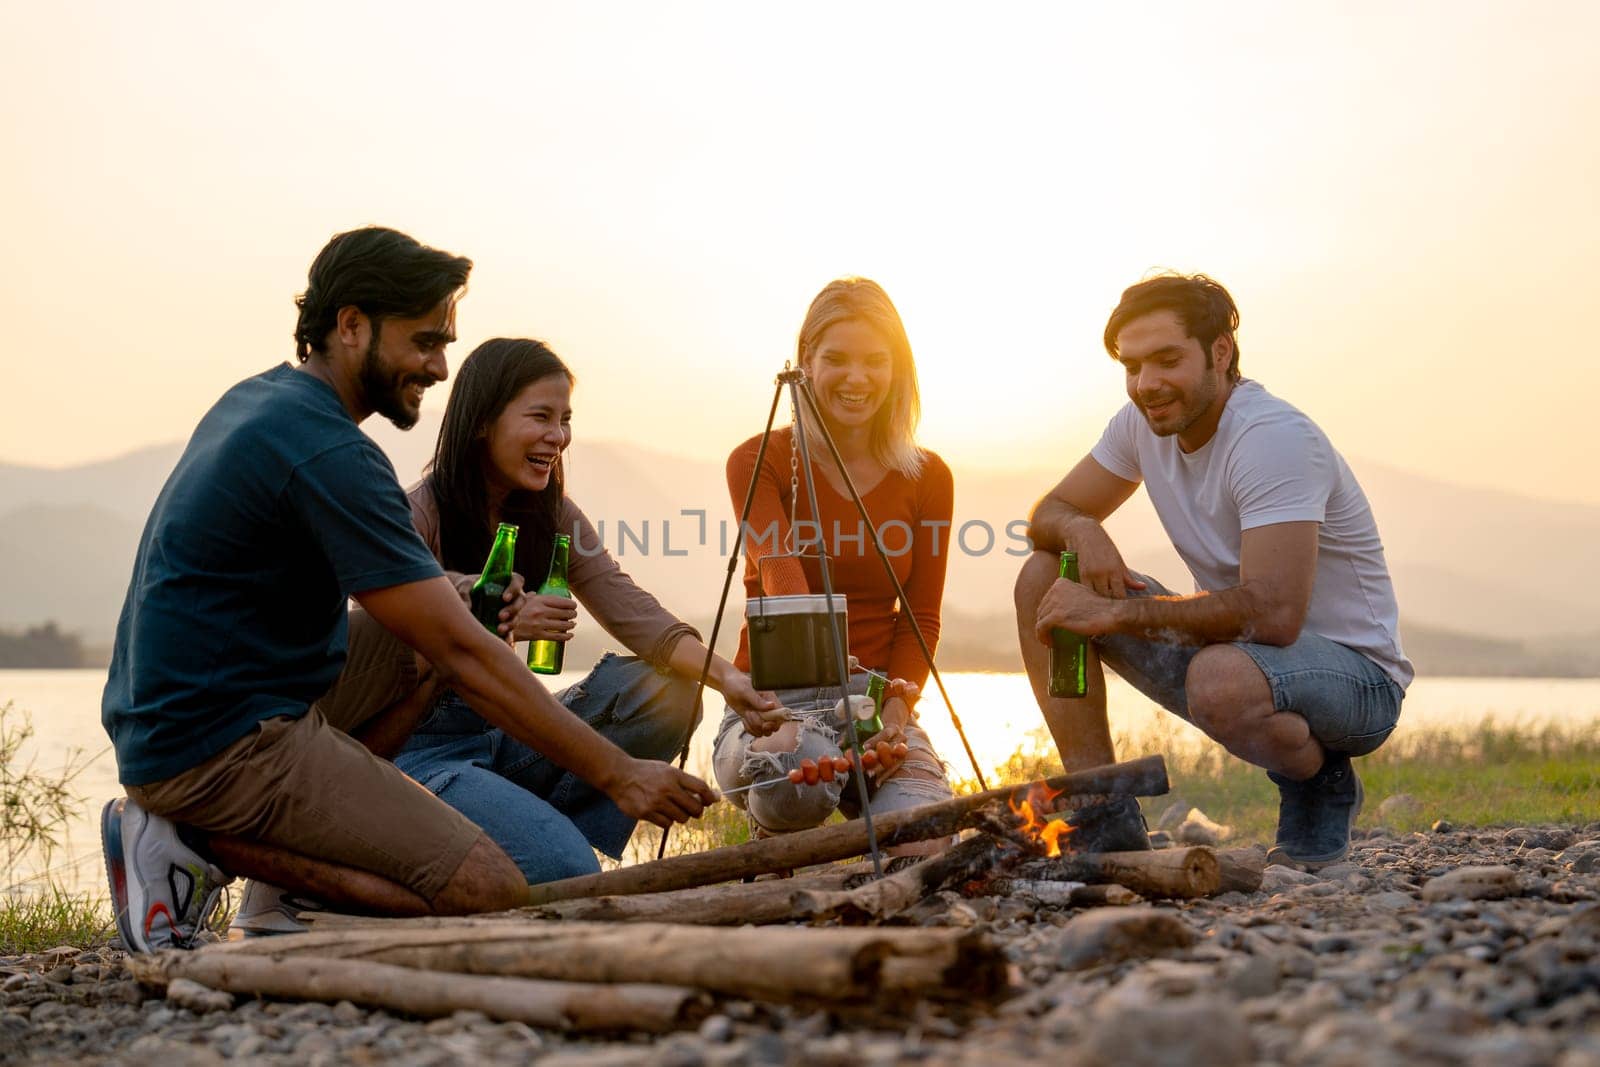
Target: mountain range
1481, 574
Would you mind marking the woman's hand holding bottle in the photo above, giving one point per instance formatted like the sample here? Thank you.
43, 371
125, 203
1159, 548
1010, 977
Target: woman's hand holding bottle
542, 618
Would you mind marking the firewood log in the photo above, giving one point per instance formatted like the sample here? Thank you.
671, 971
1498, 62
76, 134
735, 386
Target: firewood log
975, 857
571, 1006
779, 964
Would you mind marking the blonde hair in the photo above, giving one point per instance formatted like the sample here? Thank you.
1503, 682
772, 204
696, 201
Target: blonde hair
894, 427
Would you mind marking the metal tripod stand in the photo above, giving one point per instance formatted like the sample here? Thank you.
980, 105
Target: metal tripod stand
802, 399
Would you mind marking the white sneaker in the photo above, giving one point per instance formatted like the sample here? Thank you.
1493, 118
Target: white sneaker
163, 891
265, 910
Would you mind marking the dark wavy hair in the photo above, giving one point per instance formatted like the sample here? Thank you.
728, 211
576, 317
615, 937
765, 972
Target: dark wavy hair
1203, 306
488, 380
383, 272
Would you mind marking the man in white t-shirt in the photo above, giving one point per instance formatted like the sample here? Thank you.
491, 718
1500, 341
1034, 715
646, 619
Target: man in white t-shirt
1288, 651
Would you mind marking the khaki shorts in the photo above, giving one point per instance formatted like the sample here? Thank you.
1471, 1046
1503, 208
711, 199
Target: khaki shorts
306, 786
379, 670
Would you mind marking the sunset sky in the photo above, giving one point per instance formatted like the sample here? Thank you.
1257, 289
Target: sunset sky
1403, 198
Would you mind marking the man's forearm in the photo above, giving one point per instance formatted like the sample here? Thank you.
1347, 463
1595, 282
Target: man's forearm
1202, 619
1050, 526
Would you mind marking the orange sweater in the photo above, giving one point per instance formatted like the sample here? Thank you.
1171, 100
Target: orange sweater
880, 636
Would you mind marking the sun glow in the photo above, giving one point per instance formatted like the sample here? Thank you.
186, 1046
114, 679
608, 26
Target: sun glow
661, 206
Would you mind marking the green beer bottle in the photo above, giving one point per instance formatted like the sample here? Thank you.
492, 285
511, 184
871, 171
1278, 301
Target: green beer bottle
544, 657
873, 726
491, 584
1069, 652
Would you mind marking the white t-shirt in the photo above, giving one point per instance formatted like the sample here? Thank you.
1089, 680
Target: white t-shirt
1267, 463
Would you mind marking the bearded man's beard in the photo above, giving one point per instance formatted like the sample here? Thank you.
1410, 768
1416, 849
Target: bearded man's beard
385, 390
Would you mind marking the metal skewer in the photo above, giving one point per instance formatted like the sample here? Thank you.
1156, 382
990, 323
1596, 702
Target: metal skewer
757, 785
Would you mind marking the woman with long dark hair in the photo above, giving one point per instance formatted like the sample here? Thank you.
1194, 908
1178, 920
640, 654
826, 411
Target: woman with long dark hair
499, 459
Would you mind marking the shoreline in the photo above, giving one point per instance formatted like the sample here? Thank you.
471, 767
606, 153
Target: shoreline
1491, 773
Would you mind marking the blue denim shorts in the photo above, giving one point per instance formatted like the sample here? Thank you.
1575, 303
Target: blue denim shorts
1347, 700
546, 818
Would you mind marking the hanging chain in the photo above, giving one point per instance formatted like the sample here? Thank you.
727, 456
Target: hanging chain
794, 472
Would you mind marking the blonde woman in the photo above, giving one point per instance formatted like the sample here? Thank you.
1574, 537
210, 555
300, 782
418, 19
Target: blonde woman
854, 349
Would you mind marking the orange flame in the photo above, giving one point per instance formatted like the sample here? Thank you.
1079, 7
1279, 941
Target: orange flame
1049, 832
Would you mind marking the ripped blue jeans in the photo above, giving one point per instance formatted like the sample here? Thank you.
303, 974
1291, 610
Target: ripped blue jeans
548, 820
784, 807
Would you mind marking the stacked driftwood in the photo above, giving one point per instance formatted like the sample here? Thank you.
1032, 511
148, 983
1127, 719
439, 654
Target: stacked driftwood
649, 947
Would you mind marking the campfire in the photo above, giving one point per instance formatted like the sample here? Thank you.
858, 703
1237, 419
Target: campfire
1047, 830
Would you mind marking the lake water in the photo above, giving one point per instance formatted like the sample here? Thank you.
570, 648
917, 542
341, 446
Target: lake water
996, 709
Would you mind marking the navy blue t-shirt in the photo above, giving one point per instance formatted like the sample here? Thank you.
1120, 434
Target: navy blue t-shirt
279, 509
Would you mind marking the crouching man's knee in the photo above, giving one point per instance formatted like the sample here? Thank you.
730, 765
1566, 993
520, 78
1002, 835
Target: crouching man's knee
487, 880
1227, 692
1039, 572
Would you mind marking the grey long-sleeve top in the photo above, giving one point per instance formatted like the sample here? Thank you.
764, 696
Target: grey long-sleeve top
627, 612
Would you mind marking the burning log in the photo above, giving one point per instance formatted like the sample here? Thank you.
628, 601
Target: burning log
975, 857
1142, 777
570, 1006
817, 964
818, 898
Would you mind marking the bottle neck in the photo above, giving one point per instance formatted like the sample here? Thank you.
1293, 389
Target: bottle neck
558, 563
502, 556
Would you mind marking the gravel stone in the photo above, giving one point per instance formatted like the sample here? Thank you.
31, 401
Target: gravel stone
1473, 883
1196, 1032
192, 996
1107, 935
49, 1011
717, 1029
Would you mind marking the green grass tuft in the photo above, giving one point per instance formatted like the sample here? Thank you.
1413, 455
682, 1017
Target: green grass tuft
41, 921
722, 824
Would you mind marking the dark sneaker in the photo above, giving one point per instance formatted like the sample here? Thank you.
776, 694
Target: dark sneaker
1295, 801
1117, 825
265, 910
1315, 816
162, 890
